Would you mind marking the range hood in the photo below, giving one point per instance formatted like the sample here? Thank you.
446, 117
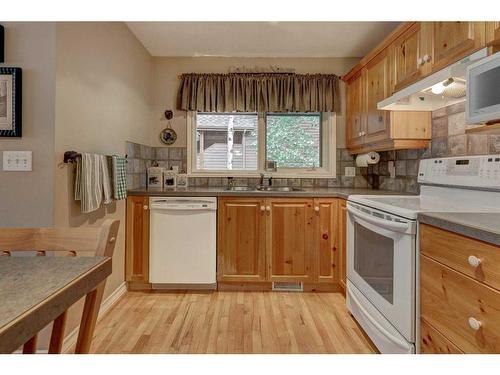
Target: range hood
438, 90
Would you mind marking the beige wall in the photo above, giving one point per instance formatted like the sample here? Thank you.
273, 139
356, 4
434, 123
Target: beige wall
26, 198
167, 70
103, 99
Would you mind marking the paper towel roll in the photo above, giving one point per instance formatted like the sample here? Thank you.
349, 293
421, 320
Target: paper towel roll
363, 160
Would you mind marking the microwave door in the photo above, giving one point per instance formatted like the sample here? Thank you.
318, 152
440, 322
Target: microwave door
381, 261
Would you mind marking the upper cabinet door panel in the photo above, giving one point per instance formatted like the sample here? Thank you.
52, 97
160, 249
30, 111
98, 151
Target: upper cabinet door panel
407, 53
377, 89
454, 40
493, 33
355, 113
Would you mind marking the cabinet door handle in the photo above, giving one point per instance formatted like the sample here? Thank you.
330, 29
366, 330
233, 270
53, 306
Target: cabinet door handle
268, 208
420, 61
474, 261
474, 324
427, 58
262, 208
145, 207
316, 208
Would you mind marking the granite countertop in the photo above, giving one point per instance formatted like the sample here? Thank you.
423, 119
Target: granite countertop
481, 226
36, 290
304, 193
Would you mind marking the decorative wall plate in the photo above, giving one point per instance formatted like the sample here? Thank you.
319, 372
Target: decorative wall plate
168, 136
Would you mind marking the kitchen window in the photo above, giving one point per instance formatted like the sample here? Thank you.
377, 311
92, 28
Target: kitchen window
245, 144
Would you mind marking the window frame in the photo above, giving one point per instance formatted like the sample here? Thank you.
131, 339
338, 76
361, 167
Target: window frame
327, 152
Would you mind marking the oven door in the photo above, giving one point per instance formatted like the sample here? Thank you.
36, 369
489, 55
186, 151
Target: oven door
381, 263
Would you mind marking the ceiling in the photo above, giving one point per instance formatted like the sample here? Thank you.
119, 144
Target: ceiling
261, 39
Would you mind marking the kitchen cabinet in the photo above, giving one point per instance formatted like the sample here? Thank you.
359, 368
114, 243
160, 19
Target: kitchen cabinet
355, 110
408, 53
241, 239
342, 241
459, 293
290, 239
326, 235
278, 239
376, 89
452, 41
137, 242
492, 36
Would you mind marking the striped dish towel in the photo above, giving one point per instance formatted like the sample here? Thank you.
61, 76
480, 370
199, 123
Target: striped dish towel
92, 182
119, 177
88, 182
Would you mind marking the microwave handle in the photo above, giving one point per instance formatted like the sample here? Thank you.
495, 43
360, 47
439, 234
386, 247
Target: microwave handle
399, 227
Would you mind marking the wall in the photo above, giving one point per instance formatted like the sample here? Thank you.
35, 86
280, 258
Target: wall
448, 139
31, 46
103, 99
167, 70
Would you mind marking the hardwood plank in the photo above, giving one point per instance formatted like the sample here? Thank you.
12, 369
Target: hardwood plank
229, 322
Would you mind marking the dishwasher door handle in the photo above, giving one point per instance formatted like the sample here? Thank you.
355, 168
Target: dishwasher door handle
172, 207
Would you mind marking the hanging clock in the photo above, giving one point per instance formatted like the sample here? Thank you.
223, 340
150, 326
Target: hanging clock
168, 135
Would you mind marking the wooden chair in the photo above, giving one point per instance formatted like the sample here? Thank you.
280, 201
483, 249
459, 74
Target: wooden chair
98, 240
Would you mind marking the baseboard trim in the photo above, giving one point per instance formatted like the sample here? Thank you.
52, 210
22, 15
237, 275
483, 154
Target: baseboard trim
113, 298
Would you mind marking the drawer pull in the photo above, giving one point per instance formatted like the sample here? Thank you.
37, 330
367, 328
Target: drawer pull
474, 324
474, 261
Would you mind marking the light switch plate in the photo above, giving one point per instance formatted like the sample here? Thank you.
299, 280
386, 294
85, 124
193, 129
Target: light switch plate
350, 171
17, 161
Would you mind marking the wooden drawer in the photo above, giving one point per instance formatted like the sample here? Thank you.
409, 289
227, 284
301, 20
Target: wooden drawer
454, 251
433, 342
448, 299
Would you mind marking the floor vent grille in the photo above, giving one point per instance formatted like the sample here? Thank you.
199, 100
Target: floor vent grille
288, 287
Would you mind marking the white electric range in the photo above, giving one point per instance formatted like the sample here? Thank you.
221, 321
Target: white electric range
382, 243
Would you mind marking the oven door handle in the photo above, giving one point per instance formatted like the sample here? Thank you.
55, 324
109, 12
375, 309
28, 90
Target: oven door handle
398, 227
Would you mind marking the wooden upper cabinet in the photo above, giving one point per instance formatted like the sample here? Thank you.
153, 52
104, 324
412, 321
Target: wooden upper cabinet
327, 267
355, 110
241, 239
407, 50
492, 35
137, 239
377, 89
455, 40
290, 239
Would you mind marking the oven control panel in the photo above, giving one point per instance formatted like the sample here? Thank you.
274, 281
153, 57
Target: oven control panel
469, 171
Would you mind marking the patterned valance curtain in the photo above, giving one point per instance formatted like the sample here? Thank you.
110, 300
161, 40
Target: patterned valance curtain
255, 92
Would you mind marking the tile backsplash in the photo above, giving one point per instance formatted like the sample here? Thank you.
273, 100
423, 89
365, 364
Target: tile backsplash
448, 139
140, 157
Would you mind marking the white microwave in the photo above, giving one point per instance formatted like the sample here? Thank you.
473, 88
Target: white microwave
483, 91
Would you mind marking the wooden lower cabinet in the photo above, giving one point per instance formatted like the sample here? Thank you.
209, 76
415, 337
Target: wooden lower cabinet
460, 312
241, 239
342, 241
325, 233
290, 239
137, 242
278, 239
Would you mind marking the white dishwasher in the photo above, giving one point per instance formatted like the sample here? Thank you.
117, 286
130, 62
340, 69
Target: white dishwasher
183, 249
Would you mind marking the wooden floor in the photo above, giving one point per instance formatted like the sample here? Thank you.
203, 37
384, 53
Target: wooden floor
229, 322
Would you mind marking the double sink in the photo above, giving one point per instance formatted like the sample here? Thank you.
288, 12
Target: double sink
263, 188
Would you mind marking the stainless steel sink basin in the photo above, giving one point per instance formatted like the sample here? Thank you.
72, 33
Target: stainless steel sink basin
279, 188
240, 188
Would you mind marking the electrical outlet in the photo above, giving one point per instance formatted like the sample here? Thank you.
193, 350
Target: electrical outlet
350, 171
17, 161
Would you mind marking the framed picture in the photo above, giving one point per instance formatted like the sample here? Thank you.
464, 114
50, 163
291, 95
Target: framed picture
2, 44
10, 102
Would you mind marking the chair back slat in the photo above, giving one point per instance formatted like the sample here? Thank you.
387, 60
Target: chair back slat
52, 239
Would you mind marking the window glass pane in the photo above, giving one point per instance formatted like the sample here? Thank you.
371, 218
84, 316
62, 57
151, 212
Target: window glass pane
226, 141
294, 140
